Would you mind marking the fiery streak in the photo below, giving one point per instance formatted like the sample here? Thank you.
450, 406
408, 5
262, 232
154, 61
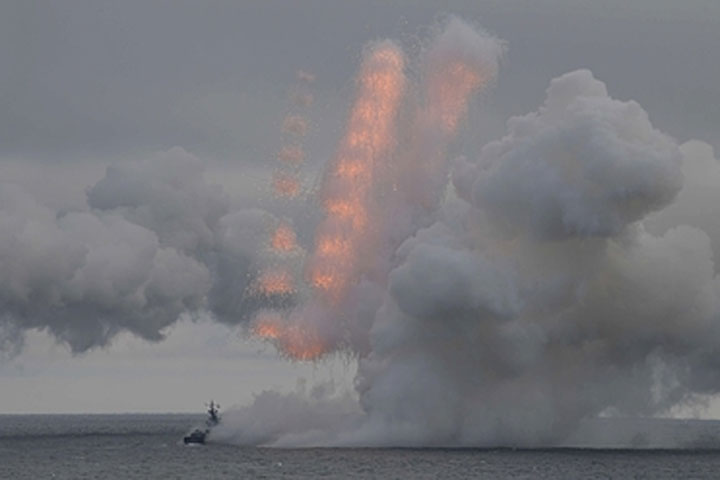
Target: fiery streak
283, 239
368, 140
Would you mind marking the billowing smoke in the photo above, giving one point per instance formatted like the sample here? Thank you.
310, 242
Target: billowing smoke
567, 275
156, 241
540, 299
564, 273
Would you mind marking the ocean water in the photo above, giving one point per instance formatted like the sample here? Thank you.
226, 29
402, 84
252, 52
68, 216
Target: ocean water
149, 446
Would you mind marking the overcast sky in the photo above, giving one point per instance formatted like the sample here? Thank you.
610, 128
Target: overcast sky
84, 84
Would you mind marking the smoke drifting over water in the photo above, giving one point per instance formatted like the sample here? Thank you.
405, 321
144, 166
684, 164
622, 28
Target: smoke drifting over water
566, 272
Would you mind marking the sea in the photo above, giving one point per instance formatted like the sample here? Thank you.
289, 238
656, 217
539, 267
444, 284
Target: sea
129, 446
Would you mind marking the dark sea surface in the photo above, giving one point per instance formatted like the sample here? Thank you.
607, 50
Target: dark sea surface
149, 446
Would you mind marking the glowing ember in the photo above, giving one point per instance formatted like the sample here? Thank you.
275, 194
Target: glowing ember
275, 282
268, 326
286, 184
333, 246
295, 342
283, 239
351, 211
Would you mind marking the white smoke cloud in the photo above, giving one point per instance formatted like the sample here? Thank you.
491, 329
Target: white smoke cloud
461, 284
166, 194
584, 164
542, 299
84, 276
316, 416
456, 40
694, 204
549, 303
155, 241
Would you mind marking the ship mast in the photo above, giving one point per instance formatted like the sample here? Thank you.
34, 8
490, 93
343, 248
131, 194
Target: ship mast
213, 409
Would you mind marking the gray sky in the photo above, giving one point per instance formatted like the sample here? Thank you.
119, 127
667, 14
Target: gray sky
87, 83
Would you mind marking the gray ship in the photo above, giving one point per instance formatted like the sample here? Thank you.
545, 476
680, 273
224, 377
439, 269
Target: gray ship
198, 435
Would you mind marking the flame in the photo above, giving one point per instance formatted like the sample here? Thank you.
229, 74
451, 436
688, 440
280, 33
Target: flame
275, 282
368, 140
350, 210
301, 344
267, 327
295, 342
283, 239
333, 246
285, 184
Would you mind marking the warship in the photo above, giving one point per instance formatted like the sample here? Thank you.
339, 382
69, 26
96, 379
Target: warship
198, 435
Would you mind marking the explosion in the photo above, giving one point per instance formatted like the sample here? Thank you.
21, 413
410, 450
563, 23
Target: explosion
275, 281
292, 340
494, 317
564, 271
355, 233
